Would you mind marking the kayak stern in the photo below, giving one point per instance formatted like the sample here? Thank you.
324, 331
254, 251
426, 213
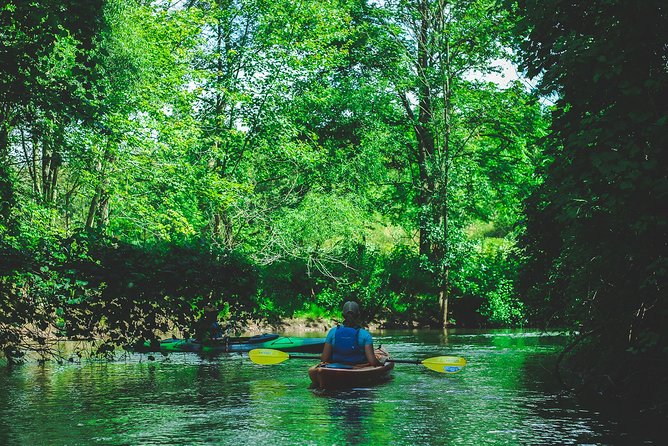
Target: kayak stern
338, 376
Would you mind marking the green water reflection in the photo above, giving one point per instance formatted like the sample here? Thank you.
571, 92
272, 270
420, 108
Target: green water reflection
506, 395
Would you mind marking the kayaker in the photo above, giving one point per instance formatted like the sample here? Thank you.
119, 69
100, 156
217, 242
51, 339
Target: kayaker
349, 343
207, 325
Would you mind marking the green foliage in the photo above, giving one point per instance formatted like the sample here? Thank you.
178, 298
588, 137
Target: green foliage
266, 154
492, 274
91, 287
313, 312
46, 56
597, 231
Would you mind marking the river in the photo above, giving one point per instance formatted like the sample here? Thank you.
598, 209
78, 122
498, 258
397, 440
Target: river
506, 395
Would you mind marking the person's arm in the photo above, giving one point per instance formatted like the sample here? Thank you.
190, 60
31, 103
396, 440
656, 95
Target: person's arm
326, 355
370, 356
327, 350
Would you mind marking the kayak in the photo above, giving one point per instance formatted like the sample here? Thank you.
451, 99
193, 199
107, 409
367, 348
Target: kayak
337, 376
234, 345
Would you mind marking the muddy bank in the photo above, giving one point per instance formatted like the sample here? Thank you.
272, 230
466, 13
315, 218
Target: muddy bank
319, 326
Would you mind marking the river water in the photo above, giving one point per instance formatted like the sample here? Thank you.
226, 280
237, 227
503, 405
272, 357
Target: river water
506, 395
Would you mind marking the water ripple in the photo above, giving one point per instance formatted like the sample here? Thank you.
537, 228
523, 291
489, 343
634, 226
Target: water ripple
505, 395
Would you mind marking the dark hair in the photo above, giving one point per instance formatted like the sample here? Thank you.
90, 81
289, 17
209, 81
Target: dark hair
351, 314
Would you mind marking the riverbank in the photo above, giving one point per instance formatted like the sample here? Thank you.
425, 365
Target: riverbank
306, 325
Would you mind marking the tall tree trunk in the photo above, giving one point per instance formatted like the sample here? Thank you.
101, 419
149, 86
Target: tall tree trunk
6, 124
51, 161
425, 137
222, 224
6, 188
31, 162
444, 167
433, 160
103, 214
98, 211
52, 176
443, 299
442, 255
4, 142
92, 209
227, 233
44, 163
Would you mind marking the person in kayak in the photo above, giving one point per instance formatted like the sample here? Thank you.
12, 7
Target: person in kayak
207, 325
349, 343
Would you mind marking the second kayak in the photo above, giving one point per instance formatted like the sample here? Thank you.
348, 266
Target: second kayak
232, 345
337, 376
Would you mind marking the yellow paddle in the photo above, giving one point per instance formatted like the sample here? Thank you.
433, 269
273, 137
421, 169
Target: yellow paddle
441, 364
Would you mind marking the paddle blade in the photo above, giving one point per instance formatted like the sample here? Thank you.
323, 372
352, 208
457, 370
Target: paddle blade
267, 356
445, 364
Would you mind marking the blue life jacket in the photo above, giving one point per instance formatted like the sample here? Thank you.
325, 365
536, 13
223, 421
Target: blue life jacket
346, 348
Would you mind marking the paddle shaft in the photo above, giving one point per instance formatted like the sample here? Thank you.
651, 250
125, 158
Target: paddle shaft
304, 357
400, 361
405, 361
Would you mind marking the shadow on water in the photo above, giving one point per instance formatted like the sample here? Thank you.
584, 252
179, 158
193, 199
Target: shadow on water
350, 411
615, 423
6, 373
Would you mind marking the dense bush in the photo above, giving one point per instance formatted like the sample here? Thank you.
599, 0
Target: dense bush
397, 288
597, 234
94, 287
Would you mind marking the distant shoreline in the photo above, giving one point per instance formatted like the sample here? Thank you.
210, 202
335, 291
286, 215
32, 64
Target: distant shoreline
300, 326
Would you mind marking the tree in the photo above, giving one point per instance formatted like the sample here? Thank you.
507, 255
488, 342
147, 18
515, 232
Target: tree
434, 50
40, 42
597, 234
46, 60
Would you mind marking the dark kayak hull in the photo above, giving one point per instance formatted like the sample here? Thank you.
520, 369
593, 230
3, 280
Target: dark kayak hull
236, 345
323, 376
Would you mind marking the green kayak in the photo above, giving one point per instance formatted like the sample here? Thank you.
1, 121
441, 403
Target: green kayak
231, 345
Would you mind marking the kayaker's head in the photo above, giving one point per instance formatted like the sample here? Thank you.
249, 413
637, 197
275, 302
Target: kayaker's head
351, 314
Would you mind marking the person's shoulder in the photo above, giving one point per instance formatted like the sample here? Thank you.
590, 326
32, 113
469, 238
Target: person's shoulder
330, 334
366, 336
